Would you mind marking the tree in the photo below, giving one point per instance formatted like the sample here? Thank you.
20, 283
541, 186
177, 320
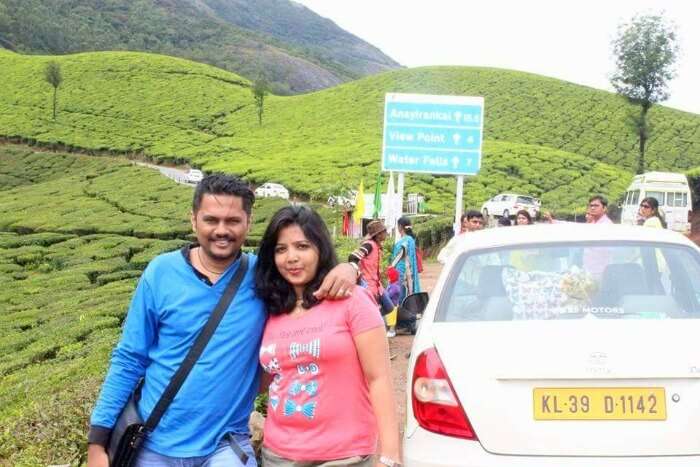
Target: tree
645, 51
53, 76
259, 90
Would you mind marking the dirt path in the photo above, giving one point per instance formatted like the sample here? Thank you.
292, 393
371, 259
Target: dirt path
401, 345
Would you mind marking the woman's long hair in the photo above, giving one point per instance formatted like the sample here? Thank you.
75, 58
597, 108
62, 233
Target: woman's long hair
654, 203
277, 294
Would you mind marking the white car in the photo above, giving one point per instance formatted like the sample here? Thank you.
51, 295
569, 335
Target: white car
194, 176
346, 201
271, 190
508, 204
556, 346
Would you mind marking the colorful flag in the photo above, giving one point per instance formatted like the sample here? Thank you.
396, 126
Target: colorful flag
377, 197
359, 203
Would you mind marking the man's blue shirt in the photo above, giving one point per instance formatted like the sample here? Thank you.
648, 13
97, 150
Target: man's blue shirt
169, 308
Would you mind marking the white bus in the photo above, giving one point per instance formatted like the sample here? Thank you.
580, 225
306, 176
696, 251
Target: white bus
672, 192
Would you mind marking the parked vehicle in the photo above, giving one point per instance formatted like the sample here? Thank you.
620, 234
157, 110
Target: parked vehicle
570, 345
194, 176
672, 192
271, 190
507, 204
347, 200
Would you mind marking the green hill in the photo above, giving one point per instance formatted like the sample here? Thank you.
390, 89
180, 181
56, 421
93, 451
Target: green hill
294, 48
76, 230
174, 110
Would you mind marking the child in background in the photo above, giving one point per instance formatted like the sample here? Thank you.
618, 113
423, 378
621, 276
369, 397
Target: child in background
394, 288
392, 294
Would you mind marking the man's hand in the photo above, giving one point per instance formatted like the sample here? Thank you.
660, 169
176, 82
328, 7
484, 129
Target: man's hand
97, 456
338, 283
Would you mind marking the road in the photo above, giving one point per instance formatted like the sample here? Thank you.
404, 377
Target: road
400, 346
173, 173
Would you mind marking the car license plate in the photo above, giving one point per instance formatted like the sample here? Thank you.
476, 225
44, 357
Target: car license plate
599, 403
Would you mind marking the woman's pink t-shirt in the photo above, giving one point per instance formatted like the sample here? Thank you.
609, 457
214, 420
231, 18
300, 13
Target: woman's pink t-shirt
319, 407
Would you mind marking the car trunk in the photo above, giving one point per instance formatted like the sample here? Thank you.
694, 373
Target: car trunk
508, 373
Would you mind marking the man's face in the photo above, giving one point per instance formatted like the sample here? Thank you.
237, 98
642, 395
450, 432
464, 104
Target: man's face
596, 209
474, 224
221, 226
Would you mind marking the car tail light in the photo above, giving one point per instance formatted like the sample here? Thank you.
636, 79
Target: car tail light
435, 403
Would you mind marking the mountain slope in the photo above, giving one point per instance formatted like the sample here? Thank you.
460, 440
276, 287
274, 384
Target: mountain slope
292, 47
170, 109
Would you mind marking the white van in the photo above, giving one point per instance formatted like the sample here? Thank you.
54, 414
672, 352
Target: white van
672, 192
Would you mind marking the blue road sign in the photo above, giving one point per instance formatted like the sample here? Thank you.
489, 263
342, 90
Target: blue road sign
433, 134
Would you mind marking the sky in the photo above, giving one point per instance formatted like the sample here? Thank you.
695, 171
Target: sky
565, 39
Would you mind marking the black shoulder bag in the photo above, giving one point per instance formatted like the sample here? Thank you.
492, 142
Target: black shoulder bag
130, 431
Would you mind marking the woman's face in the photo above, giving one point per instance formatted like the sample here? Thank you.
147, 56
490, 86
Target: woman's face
645, 209
521, 220
296, 257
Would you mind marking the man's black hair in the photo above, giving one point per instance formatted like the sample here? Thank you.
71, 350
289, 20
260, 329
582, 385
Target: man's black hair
473, 213
222, 184
277, 294
600, 198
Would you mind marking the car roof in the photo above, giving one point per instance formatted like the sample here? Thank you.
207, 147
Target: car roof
566, 232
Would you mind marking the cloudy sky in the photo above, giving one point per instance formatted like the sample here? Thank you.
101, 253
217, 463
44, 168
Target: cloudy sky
569, 40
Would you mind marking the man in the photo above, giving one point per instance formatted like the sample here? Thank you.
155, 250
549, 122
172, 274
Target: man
471, 221
207, 422
596, 212
368, 256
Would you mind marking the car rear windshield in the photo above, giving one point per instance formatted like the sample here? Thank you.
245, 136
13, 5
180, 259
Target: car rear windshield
574, 281
525, 200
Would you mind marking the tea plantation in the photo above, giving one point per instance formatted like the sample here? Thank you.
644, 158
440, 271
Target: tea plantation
75, 233
76, 230
317, 144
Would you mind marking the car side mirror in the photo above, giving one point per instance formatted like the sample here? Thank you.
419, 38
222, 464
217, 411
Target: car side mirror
415, 303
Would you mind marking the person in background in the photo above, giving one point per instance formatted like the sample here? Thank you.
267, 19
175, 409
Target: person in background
596, 212
318, 353
391, 299
393, 289
504, 222
649, 215
474, 221
523, 217
403, 258
368, 257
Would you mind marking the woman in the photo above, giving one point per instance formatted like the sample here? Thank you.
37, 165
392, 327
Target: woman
649, 215
523, 217
404, 259
331, 395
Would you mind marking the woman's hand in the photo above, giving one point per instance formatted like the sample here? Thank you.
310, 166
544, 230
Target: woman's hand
338, 283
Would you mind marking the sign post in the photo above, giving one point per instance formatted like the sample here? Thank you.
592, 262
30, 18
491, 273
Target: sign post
433, 134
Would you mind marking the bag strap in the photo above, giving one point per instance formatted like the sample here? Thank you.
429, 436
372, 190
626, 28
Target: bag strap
198, 347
